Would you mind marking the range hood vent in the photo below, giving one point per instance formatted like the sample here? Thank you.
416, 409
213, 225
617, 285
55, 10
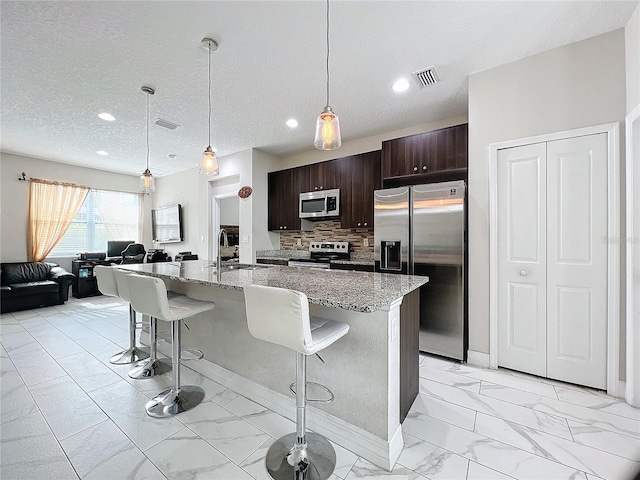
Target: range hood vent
427, 76
166, 124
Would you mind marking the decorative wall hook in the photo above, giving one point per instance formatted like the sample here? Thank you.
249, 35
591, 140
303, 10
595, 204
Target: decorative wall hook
24, 177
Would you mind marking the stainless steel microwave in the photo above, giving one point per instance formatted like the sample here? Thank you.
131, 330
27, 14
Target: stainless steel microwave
320, 204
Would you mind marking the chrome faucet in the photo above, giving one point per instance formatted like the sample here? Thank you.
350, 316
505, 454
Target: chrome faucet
221, 234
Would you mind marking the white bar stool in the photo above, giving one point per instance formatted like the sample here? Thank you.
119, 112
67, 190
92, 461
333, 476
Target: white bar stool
149, 296
108, 285
152, 366
281, 316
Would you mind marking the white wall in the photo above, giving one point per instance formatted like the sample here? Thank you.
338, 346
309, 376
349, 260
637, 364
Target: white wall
194, 192
362, 145
14, 198
578, 85
263, 239
632, 60
179, 188
632, 54
230, 210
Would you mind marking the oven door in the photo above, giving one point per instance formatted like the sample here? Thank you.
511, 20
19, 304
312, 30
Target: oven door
309, 264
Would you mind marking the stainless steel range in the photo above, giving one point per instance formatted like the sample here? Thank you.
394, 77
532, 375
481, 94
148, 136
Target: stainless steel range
321, 254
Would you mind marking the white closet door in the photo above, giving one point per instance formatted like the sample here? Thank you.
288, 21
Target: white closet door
522, 258
577, 260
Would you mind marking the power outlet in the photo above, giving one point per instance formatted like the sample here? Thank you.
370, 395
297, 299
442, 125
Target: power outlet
366, 242
299, 242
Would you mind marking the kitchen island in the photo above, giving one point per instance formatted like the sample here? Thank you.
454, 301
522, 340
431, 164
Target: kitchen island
363, 369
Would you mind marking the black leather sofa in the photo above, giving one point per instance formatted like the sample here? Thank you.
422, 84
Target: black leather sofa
33, 284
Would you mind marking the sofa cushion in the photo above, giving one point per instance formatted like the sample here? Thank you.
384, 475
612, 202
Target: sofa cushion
24, 272
6, 292
33, 288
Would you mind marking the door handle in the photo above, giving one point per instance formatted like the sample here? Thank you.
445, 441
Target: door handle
523, 273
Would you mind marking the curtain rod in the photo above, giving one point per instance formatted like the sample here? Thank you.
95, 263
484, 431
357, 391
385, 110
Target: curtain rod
23, 177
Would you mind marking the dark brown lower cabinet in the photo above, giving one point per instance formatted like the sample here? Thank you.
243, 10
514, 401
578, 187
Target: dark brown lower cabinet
409, 351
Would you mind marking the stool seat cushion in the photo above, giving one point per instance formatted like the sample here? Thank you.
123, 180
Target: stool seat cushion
281, 316
148, 296
325, 332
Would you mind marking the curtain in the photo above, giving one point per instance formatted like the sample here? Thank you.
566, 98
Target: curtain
121, 213
52, 207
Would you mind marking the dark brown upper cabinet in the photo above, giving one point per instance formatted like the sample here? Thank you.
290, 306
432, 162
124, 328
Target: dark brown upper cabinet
359, 177
283, 201
324, 175
426, 153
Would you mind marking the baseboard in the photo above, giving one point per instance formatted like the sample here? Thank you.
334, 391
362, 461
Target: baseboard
380, 452
478, 358
620, 390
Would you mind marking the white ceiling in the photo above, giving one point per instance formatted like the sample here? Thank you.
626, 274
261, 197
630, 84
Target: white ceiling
64, 62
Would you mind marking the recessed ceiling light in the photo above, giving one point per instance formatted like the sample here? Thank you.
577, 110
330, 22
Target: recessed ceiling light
102, 152
292, 123
401, 85
106, 116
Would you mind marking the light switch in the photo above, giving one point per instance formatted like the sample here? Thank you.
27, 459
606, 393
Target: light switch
245, 239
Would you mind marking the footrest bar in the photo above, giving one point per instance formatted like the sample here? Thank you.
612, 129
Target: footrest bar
315, 400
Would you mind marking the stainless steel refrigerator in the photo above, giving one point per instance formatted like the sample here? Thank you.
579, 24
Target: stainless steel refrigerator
420, 230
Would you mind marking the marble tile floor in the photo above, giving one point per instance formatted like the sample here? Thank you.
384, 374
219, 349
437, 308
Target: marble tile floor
67, 413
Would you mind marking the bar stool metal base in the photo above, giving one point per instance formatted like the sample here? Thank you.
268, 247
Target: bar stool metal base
150, 369
172, 402
286, 461
130, 355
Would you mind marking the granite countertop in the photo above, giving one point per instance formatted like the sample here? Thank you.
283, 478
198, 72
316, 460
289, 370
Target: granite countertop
357, 291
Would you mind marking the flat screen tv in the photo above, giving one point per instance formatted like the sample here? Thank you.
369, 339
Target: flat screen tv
166, 224
115, 247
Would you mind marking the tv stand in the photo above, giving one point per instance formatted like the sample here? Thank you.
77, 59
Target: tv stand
85, 284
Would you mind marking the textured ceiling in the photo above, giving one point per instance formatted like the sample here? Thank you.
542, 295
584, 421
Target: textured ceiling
64, 62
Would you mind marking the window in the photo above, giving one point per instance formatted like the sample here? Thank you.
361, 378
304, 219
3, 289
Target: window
104, 216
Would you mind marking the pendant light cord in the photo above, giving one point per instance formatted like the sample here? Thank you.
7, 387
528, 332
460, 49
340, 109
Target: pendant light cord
148, 149
209, 93
327, 52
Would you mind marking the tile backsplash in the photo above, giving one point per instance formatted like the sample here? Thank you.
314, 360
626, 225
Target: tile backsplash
328, 231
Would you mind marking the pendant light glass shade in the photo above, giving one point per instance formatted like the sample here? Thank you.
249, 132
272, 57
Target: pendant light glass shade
327, 130
147, 182
209, 159
327, 126
209, 162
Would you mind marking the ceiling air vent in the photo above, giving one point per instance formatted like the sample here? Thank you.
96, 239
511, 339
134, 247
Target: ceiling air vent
166, 124
427, 76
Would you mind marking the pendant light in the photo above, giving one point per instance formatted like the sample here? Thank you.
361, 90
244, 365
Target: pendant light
209, 160
147, 182
327, 125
